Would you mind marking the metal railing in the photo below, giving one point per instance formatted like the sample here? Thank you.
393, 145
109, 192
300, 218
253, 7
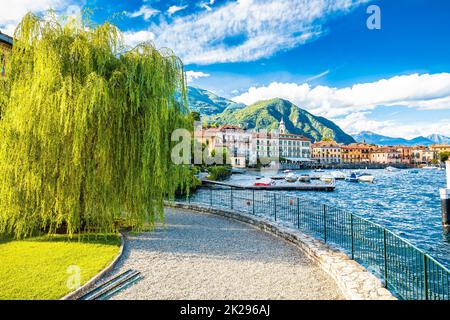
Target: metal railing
405, 270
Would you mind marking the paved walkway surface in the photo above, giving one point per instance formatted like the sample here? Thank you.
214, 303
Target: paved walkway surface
202, 256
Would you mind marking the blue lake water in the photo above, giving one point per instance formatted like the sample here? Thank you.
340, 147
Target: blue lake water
405, 202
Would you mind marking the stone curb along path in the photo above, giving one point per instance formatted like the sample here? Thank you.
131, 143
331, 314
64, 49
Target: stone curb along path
355, 282
74, 295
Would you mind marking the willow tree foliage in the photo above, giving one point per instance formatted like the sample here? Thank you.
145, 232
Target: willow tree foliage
85, 129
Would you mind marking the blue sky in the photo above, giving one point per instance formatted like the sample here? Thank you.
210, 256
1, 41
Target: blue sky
317, 53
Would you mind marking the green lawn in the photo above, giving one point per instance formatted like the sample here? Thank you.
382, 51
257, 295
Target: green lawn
40, 268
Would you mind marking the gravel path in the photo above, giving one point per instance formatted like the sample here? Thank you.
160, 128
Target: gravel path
202, 256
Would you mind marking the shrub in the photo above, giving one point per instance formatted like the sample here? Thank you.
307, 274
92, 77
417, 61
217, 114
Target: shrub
219, 173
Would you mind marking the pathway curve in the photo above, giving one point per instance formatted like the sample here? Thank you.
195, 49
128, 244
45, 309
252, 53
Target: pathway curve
202, 256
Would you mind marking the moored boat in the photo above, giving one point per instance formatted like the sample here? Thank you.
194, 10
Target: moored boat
391, 169
304, 178
290, 177
327, 179
352, 178
264, 182
366, 177
338, 175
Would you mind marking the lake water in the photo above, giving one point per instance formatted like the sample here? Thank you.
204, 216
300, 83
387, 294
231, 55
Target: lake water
405, 202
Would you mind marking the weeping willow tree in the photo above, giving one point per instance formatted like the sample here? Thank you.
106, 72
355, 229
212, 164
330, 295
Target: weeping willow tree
85, 129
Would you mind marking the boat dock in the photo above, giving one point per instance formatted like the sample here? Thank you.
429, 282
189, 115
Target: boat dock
285, 187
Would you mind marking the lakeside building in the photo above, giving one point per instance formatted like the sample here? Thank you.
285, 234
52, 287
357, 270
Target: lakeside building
327, 152
236, 140
386, 155
423, 155
265, 146
6, 43
439, 148
293, 147
357, 153
405, 154
246, 147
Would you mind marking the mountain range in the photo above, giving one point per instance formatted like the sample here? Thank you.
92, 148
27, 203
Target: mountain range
373, 138
267, 114
264, 115
208, 103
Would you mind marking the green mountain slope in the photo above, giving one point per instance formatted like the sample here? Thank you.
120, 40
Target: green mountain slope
267, 115
207, 103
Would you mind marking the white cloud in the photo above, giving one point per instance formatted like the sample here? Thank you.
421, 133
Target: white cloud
192, 75
318, 76
205, 6
138, 37
359, 121
265, 28
174, 9
11, 13
145, 11
422, 91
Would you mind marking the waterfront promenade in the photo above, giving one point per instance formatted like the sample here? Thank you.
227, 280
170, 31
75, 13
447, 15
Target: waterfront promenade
202, 256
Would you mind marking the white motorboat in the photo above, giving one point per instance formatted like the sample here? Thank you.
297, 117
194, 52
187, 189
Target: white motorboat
338, 175
287, 171
327, 179
366, 177
391, 169
290, 177
319, 170
304, 178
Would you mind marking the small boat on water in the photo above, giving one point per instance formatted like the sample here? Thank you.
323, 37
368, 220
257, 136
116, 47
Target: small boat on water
352, 178
327, 179
391, 169
319, 170
290, 177
264, 182
429, 168
304, 178
315, 176
366, 177
338, 175
287, 171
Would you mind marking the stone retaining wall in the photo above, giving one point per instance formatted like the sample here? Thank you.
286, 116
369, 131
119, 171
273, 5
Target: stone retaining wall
355, 282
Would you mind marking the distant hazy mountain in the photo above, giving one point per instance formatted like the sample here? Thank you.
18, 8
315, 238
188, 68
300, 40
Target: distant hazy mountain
207, 103
373, 138
439, 139
267, 115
